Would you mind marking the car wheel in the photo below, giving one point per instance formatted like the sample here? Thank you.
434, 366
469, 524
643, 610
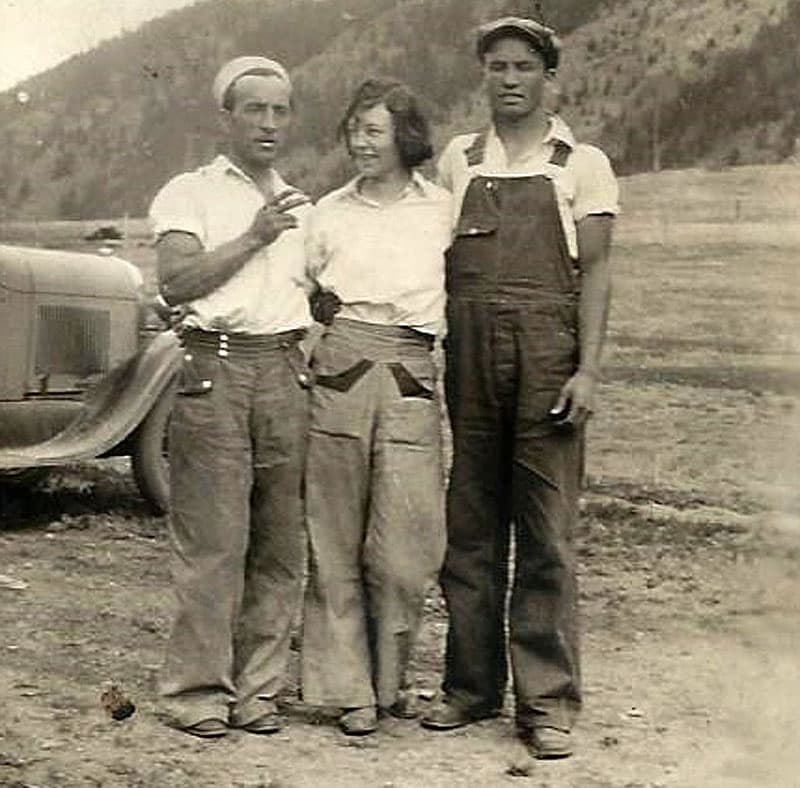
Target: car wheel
150, 455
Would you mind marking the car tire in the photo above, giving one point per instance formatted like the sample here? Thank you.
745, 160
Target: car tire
149, 455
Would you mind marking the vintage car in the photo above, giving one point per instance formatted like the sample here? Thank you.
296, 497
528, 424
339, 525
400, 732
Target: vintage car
81, 376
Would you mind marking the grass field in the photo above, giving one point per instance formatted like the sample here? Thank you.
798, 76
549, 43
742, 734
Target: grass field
703, 361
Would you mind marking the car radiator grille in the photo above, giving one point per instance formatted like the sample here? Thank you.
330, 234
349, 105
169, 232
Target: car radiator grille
72, 341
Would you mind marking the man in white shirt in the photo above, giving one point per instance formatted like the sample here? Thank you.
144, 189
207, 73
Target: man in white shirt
528, 286
230, 253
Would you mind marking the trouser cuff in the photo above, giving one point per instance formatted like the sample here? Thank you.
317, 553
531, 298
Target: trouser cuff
559, 713
244, 714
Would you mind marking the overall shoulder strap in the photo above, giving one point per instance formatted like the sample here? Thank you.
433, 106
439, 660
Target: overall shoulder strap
475, 152
561, 152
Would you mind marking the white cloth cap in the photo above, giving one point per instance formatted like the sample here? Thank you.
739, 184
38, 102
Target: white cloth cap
240, 66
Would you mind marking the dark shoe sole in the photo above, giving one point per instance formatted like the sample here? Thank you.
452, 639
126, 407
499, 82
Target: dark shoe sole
356, 728
404, 714
206, 729
357, 731
399, 712
451, 725
547, 752
264, 726
552, 755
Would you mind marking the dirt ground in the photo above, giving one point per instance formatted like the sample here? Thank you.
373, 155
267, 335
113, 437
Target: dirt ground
691, 640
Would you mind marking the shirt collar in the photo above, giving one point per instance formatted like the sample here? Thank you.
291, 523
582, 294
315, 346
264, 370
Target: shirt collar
557, 131
224, 166
417, 187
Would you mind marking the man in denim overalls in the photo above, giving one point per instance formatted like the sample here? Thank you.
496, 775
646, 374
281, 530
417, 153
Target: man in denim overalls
528, 285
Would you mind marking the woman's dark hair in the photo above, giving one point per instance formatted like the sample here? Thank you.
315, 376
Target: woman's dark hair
411, 130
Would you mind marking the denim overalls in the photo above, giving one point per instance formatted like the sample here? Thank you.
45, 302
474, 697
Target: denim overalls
512, 343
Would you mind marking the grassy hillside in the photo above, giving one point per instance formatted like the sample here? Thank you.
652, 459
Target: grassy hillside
103, 130
667, 83
676, 83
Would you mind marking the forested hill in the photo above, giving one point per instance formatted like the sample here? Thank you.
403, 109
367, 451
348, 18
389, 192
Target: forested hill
664, 82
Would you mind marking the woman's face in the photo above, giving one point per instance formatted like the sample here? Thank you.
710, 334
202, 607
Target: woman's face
370, 136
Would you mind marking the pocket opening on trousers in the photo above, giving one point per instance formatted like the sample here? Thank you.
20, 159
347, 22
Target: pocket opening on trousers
345, 380
407, 384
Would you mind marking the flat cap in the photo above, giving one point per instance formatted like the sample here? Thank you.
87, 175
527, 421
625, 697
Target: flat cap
241, 66
542, 38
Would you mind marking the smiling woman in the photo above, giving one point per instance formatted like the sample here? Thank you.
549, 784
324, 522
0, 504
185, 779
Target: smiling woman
370, 138
376, 250
386, 133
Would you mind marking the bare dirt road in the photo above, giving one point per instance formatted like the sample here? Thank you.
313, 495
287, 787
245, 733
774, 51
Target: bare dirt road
691, 668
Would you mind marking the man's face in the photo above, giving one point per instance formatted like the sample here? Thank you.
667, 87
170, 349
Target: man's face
258, 120
514, 77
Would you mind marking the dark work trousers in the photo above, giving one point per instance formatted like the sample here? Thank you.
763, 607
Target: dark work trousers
512, 343
374, 511
237, 446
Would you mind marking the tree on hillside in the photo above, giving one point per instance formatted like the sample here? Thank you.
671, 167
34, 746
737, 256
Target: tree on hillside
69, 206
23, 192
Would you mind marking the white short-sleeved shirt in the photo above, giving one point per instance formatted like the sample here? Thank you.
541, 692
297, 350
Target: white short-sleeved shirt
217, 203
385, 262
585, 186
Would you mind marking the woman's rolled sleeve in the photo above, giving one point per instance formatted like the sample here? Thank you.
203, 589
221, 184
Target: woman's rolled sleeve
316, 247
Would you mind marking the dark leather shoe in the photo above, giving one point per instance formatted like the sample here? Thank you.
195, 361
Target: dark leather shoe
446, 714
271, 722
547, 742
404, 708
360, 721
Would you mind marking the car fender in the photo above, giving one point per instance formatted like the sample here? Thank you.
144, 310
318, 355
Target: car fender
112, 409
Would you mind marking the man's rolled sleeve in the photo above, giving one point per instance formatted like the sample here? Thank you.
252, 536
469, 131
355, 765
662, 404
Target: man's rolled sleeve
597, 190
175, 208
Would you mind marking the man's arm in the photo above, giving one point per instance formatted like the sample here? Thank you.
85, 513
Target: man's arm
594, 242
187, 272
